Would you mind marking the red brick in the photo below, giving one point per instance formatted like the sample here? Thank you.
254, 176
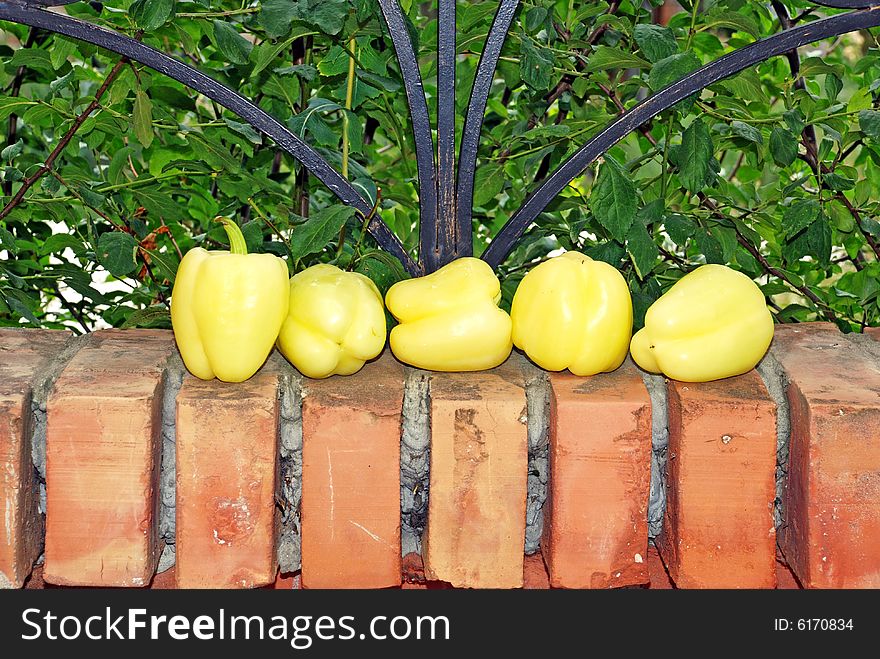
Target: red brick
595, 528
25, 353
657, 574
102, 461
479, 457
351, 478
718, 530
832, 496
535, 576
227, 482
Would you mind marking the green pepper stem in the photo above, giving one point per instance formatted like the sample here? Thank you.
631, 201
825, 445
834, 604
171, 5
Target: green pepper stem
237, 244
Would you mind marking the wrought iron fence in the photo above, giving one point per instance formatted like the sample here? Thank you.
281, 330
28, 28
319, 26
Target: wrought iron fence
446, 184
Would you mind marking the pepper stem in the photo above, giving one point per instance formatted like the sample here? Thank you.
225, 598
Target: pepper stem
237, 244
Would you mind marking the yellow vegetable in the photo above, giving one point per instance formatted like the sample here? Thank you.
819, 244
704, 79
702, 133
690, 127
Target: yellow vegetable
450, 320
336, 322
573, 312
227, 308
712, 324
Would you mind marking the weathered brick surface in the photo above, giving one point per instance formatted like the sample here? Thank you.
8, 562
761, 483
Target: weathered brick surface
227, 481
479, 457
595, 528
718, 529
535, 576
102, 461
23, 355
351, 478
832, 497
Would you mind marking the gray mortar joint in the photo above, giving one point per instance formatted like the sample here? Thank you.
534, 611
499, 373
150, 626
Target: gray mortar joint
776, 382
415, 459
538, 423
656, 386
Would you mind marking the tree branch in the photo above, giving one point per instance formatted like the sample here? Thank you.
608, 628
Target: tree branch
46, 167
765, 264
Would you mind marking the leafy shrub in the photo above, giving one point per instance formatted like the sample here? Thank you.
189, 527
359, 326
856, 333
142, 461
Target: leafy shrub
773, 174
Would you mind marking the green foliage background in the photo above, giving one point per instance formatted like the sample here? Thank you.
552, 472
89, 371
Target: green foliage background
775, 175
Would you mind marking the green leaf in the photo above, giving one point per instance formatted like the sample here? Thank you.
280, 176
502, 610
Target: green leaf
606, 57
246, 130
815, 242
679, 228
13, 105
694, 156
334, 62
655, 41
801, 214
116, 252
154, 317
159, 203
642, 250
18, 306
229, 42
12, 150
535, 18
327, 15
746, 86
253, 235
794, 119
215, 154
58, 242
837, 182
709, 247
488, 182
264, 54
321, 228
7, 241
536, 65
142, 116
783, 146
746, 131
614, 200
726, 237
833, 85
671, 69
382, 268
32, 58
735, 21
151, 14
869, 122
62, 48
276, 16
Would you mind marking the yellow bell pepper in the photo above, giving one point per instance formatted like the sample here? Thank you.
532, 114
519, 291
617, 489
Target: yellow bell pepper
712, 324
573, 312
450, 320
336, 322
227, 308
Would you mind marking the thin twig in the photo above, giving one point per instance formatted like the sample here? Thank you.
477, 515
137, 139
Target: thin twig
46, 167
765, 264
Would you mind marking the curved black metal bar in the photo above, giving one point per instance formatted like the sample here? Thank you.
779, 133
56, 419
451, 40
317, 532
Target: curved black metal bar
446, 239
421, 124
721, 68
30, 14
473, 123
846, 4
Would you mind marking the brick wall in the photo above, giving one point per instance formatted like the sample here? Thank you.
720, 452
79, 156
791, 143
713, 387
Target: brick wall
119, 469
